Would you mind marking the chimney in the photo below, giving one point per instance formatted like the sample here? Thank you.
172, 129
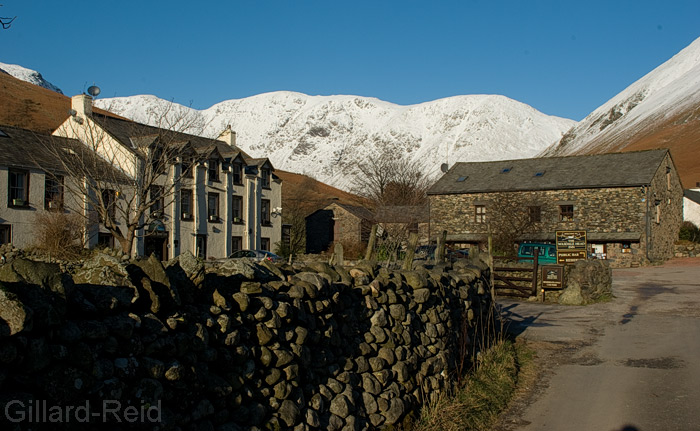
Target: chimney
82, 105
228, 136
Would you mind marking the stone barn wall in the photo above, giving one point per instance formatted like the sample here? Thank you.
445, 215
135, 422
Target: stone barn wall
233, 345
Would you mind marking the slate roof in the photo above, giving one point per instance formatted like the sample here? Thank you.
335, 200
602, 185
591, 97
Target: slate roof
552, 173
403, 214
21, 148
132, 134
360, 212
693, 195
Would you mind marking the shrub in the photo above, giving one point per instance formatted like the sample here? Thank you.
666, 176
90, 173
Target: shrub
689, 232
59, 234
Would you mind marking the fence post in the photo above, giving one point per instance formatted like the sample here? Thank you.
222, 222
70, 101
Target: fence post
412, 244
491, 265
534, 272
440, 249
372, 241
338, 250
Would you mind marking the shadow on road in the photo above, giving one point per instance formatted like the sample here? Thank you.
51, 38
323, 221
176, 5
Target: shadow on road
516, 324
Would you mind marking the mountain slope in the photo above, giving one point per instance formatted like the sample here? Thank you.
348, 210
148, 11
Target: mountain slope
28, 75
660, 110
326, 136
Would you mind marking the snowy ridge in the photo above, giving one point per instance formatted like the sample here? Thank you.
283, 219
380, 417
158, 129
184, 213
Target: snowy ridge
326, 136
670, 89
28, 75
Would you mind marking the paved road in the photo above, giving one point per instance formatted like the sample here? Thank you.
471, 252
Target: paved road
630, 364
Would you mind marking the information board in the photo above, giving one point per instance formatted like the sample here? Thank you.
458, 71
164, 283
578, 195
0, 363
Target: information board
571, 246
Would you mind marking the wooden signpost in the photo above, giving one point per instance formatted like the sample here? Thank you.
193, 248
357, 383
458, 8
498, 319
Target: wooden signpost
571, 246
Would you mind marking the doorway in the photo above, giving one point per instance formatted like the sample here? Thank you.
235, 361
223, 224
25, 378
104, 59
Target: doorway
156, 244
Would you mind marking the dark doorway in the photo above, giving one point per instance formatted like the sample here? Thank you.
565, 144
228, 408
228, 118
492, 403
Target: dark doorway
201, 246
156, 244
320, 228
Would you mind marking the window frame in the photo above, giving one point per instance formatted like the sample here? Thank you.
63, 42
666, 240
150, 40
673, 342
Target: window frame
53, 192
564, 214
265, 178
109, 198
237, 173
12, 196
265, 212
237, 208
480, 214
534, 213
189, 204
213, 171
213, 214
155, 193
265, 244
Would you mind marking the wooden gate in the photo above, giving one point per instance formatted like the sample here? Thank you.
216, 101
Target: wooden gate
519, 285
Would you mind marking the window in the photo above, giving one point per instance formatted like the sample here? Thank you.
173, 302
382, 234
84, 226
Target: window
265, 175
668, 178
213, 206
187, 167
186, 204
480, 213
213, 170
18, 188
287, 234
5, 233
53, 193
237, 209
265, 213
566, 213
236, 243
157, 161
265, 244
461, 179
237, 170
109, 200
535, 213
156, 196
105, 240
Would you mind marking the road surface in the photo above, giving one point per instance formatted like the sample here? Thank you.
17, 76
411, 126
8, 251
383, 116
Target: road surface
629, 364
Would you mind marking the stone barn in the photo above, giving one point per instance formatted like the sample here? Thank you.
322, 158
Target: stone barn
630, 204
337, 222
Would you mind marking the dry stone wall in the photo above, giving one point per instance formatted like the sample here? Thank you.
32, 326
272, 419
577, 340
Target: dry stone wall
232, 345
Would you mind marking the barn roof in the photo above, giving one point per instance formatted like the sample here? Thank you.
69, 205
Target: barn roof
552, 173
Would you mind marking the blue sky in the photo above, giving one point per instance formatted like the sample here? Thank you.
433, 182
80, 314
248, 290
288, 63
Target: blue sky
563, 58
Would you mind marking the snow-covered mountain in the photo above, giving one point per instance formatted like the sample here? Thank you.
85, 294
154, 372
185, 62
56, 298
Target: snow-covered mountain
28, 75
326, 136
651, 112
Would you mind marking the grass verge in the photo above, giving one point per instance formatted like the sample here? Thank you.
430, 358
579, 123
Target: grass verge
486, 392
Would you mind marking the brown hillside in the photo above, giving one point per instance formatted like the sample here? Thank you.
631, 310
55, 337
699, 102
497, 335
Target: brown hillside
680, 134
308, 195
31, 107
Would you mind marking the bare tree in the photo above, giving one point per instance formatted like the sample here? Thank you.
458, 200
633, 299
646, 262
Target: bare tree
391, 179
397, 189
509, 216
6, 22
125, 186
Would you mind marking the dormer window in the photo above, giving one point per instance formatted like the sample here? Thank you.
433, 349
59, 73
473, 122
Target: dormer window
265, 177
213, 170
237, 171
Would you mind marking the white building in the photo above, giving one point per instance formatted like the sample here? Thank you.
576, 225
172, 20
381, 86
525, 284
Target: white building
691, 206
209, 197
